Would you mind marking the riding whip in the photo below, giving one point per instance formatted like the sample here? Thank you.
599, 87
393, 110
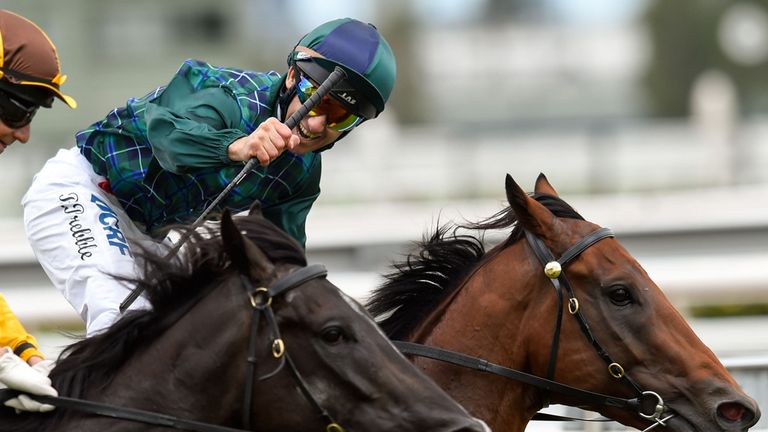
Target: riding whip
334, 78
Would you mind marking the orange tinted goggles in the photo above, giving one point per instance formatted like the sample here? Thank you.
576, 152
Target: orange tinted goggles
337, 116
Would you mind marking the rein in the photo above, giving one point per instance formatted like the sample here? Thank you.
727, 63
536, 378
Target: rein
261, 301
647, 404
482, 365
106, 410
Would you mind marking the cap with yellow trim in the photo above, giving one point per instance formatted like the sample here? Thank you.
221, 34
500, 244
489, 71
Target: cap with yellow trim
29, 63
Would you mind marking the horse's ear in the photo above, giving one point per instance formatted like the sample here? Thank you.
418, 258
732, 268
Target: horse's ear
530, 213
245, 255
255, 208
543, 186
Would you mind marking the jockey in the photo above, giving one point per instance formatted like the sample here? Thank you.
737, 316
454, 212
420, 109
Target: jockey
162, 158
30, 78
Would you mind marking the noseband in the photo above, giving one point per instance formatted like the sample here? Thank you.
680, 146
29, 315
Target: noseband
261, 302
647, 404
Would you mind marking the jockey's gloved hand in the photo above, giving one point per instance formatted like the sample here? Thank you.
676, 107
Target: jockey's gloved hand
44, 367
16, 374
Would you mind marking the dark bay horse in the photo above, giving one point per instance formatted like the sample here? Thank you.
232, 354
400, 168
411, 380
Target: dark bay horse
244, 335
606, 328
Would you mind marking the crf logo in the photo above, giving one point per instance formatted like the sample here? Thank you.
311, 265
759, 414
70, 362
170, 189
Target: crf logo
111, 225
348, 98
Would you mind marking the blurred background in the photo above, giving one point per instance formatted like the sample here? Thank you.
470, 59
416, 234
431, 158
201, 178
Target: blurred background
649, 116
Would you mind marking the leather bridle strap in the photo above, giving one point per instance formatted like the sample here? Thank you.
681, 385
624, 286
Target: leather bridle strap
482, 365
261, 300
329, 421
105, 410
546, 257
584, 244
543, 253
296, 278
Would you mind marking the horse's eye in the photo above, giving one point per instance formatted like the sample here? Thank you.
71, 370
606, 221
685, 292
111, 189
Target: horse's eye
620, 296
333, 335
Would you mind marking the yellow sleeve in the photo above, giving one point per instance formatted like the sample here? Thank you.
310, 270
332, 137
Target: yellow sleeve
13, 334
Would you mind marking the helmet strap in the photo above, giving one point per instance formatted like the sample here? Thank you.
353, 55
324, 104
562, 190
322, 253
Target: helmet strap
285, 98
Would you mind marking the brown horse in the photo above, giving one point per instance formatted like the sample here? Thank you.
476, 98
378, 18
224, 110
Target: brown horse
501, 307
243, 335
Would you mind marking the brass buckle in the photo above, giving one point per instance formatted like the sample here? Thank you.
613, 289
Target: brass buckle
573, 305
616, 370
260, 298
278, 348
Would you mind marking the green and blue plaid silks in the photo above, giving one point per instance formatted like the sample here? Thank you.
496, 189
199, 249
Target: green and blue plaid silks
120, 149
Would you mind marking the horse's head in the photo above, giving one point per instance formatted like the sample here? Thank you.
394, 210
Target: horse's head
560, 299
318, 358
616, 315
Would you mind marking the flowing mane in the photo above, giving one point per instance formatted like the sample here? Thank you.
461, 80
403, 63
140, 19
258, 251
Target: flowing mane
441, 263
173, 287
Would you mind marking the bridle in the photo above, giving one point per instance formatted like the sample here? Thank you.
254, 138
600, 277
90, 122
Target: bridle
553, 269
261, 303
647, 404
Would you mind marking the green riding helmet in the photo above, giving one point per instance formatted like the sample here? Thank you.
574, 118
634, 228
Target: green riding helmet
362, 52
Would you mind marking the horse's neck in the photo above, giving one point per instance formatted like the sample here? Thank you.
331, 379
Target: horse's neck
491, 306
193, 365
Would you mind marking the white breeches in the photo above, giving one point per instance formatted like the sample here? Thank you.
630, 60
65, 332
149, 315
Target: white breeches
82, 237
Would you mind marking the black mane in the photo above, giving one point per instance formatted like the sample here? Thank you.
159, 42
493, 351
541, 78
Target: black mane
173, 287
442, 261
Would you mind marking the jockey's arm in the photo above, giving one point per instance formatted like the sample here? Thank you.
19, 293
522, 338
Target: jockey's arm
13, 335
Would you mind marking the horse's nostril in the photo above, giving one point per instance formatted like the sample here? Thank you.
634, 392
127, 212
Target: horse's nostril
731, 411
